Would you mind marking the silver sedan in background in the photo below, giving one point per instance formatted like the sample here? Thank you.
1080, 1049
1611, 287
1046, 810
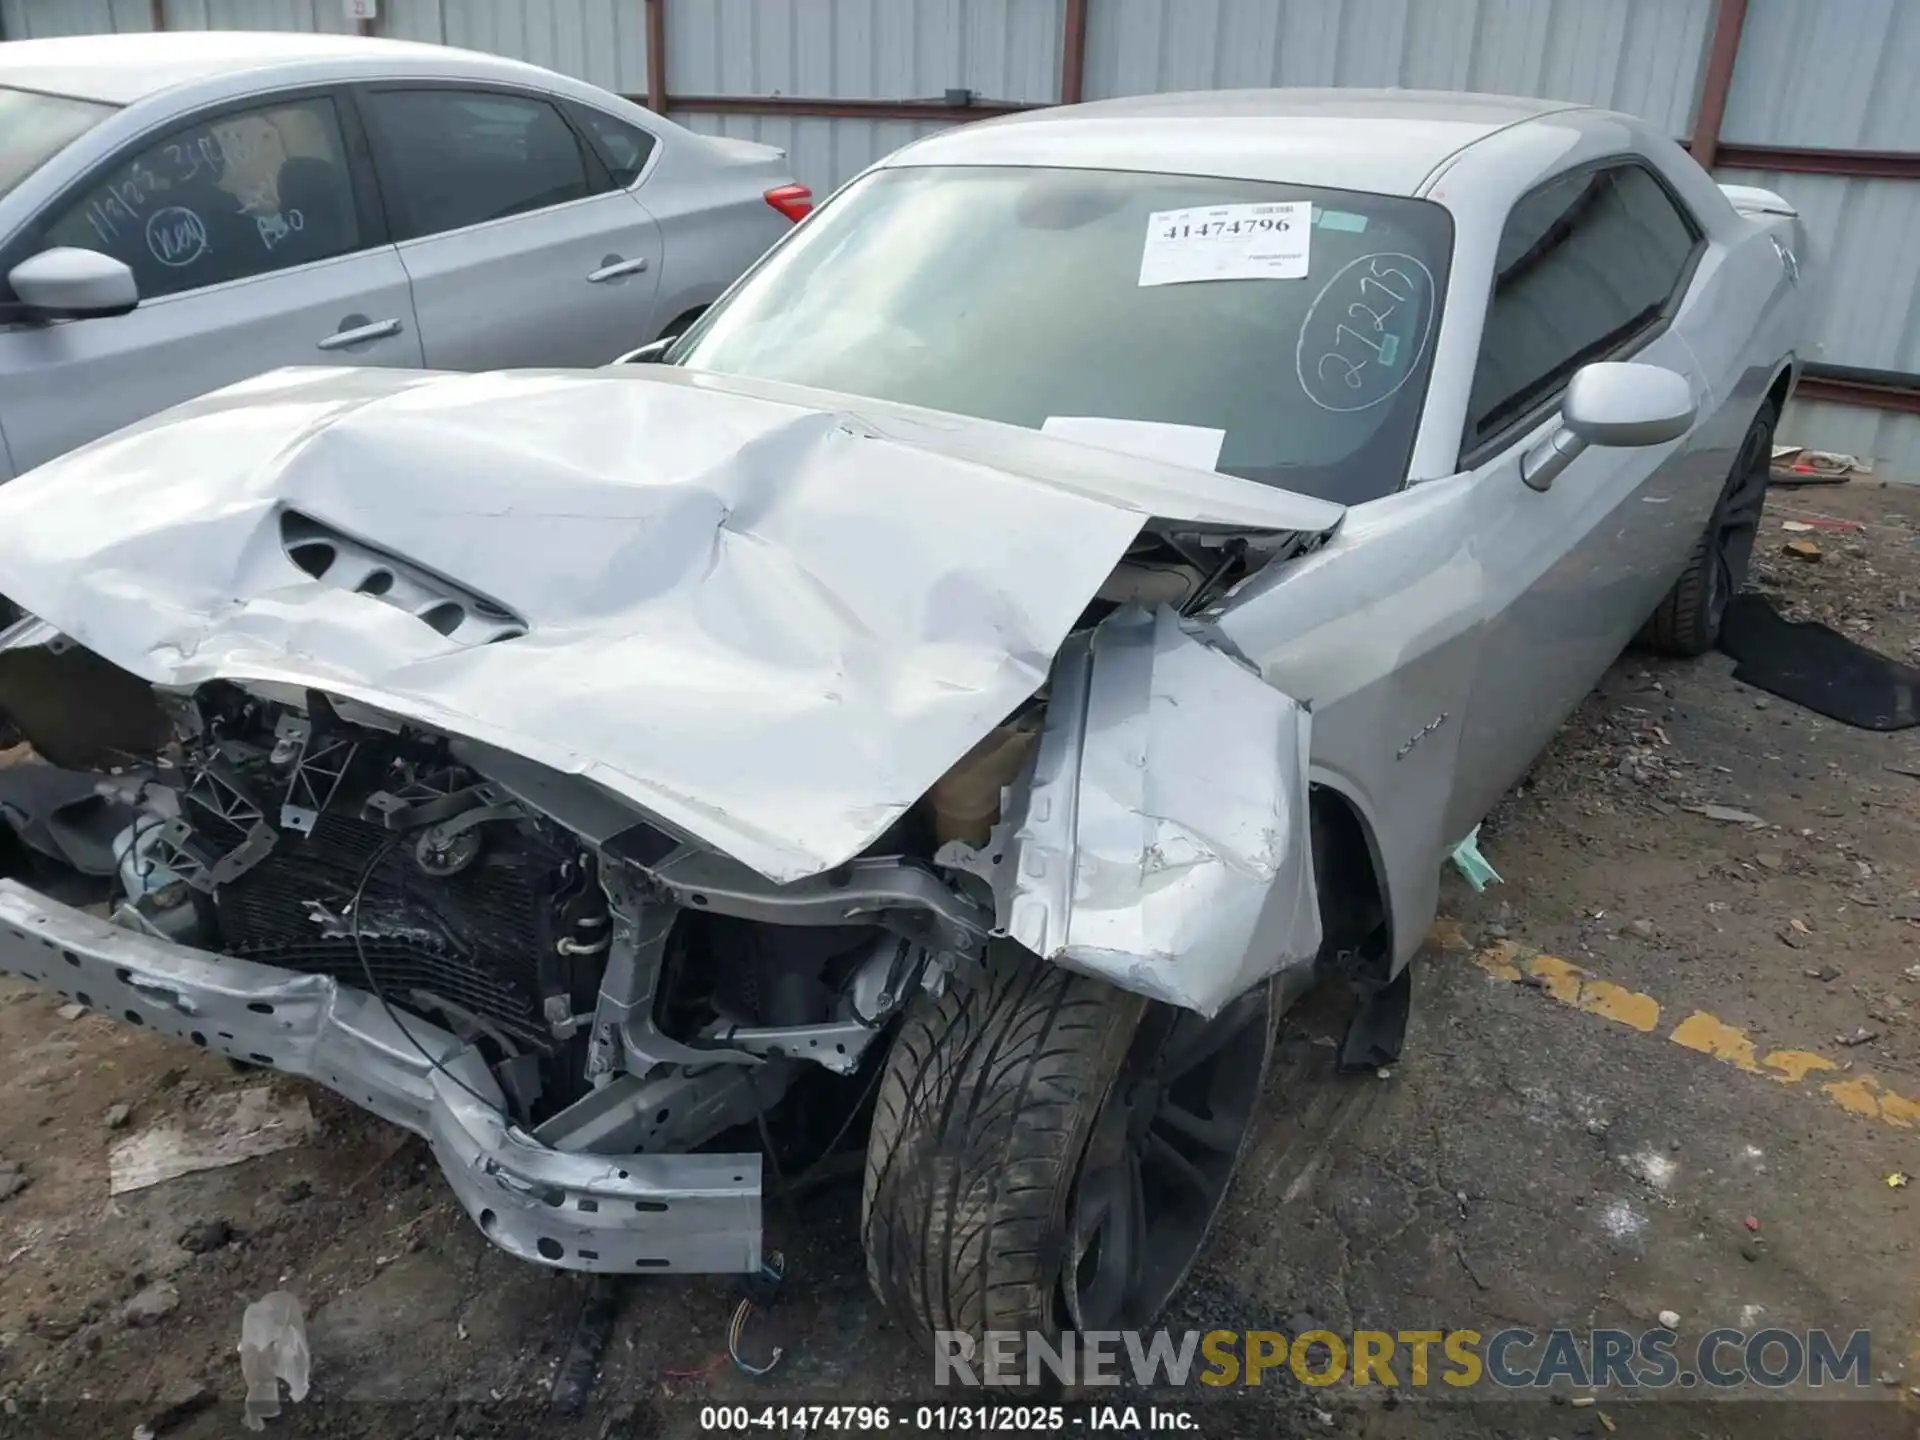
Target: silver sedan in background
182, 211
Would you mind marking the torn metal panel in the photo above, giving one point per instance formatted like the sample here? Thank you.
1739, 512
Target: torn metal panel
1162, 843
769, 624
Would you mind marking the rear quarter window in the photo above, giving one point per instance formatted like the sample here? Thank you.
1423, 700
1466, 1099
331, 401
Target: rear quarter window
453, 158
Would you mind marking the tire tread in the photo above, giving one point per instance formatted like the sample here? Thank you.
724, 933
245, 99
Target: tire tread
982, 1112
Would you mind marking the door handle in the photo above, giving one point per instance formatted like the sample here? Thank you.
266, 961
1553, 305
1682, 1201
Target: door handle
378, 330
613, 267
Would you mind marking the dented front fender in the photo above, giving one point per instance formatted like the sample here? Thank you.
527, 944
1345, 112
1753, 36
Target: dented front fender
1160, 840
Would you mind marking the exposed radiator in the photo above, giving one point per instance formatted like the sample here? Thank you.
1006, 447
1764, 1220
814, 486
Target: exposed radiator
468, 938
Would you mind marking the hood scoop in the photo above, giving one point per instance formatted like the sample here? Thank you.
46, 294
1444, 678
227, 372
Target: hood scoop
333, 558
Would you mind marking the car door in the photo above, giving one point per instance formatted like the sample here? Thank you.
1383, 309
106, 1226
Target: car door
1592, 265
256, 240
521, 249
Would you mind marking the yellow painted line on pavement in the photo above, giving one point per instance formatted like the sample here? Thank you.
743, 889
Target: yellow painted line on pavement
1854, 1090
1570, 985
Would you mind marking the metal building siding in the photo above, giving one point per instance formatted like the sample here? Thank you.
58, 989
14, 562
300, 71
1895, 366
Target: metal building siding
1866, 284
1643, 56
424, 20
1841, 74
1866, 298
326, 16
38, 19
601, 41
1822, 73
822, 153
866, 49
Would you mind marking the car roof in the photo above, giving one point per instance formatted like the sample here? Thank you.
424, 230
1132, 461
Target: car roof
124, 69
1385, 141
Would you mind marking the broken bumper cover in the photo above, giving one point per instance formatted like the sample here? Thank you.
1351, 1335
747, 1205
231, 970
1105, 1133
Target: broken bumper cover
584, 1212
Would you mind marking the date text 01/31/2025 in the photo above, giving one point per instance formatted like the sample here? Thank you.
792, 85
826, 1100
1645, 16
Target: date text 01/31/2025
984, 1419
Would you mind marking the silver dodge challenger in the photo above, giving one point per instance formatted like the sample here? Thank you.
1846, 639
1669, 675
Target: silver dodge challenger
1060, 608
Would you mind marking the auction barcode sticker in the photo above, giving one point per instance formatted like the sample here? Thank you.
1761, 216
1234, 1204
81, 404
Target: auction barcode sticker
1228, 242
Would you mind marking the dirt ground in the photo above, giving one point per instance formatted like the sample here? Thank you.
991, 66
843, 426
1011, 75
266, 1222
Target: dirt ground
1702, 1117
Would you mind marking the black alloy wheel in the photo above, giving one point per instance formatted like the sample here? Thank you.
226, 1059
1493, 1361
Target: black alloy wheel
1161, 1156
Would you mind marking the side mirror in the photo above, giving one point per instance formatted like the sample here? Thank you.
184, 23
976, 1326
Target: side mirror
71, 284
1612, 403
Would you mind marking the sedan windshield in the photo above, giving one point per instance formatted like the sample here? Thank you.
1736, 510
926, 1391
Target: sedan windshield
1291, 324
35, 127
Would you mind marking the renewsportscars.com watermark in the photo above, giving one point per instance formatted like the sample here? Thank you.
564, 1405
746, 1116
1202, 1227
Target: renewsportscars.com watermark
1512, 1359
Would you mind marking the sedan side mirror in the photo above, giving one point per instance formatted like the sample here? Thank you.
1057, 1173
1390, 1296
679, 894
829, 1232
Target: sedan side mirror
66, 283
1612, 403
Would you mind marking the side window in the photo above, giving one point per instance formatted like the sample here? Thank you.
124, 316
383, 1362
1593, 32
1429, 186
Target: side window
250, 192
1586, 262
455, 158
622, 148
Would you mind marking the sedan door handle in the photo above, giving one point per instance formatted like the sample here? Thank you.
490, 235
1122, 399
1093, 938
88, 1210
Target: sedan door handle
378, 330
613, 268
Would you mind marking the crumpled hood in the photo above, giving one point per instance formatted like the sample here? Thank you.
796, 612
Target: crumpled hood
768, 616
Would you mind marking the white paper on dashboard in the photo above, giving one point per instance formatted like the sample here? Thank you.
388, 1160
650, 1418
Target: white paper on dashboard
1228, 242
1192, 445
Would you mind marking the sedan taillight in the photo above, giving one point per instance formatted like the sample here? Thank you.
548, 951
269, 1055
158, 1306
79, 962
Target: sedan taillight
792, 201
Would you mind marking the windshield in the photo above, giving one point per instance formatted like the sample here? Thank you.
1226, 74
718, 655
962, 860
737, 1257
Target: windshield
1293, 323
35, 127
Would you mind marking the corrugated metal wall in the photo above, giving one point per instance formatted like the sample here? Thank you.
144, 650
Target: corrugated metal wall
865, 49
1865, 275
31, 19
603, 41
1822, 73
1837, 74
1005, 50
1638, 55
1811, 73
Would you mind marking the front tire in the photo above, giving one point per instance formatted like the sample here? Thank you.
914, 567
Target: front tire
1049, 1152
1687, 621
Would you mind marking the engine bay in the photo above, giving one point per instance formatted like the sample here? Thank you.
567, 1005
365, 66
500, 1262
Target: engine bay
620, 989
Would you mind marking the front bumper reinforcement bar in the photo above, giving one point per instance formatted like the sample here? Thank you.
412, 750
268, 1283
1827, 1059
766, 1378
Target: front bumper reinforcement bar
614, 1213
